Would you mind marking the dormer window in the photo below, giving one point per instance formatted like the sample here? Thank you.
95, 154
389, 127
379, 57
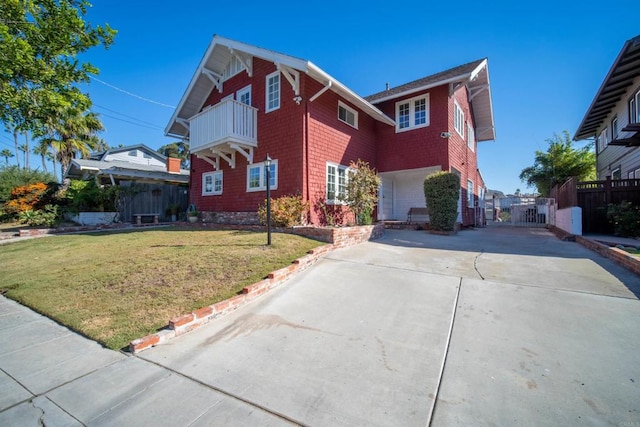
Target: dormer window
412, 113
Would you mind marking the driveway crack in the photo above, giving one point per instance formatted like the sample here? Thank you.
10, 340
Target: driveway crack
475, 264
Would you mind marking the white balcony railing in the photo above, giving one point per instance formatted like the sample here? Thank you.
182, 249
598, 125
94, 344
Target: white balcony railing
226, 122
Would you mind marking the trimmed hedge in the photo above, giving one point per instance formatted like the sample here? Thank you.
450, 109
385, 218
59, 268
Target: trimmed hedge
442, 191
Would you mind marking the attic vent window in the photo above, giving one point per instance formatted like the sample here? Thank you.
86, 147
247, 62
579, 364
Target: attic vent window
347, 115
233, 67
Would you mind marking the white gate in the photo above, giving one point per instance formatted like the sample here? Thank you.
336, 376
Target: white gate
525, 211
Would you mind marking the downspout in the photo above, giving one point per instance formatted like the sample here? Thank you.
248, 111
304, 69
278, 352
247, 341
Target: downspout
306, 156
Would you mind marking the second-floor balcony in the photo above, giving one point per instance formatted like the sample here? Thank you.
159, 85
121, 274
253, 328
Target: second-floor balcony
228, 122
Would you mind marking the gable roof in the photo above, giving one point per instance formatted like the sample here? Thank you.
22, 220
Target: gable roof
217, 56
474, 74
624, 70
102, 155
126, 169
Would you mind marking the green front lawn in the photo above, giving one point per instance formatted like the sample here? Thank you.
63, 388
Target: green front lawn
118, 286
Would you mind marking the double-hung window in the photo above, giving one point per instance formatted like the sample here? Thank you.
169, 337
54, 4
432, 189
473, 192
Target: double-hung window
458, 119
257, 176
412, 113
614, 128
469, 193
347, 114
471, 138
337, 176
212, 183
272, 101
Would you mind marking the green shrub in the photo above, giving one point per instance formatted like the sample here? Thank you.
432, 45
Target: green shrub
625, 218
286, 211
442, 191
48, 216
13, 176
88, 196
362, 191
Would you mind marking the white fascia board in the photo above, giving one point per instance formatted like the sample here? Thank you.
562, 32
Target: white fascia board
459, 78
318, 74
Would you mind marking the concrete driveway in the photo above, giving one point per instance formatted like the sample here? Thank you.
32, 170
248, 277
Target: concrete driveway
497, 326
542, 332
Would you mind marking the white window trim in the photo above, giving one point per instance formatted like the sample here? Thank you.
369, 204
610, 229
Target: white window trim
263, 176
412, 112
601, 139
350, 110
213, 183
266, 91
240, 92
470, 193
458, 123
613, 172
614, 128
336, 200
634, 113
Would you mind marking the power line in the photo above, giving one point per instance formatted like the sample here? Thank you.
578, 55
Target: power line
131, 94
130, 117
154, 127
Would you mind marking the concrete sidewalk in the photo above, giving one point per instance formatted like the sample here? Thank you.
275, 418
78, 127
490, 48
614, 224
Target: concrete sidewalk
530, 331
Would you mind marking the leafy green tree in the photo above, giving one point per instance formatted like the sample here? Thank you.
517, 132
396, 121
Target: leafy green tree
560, 162
362, 191
74, 133
40, 41
178, 149
6, 154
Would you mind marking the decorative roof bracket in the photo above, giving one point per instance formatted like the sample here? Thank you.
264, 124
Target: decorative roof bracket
477, 90
292, 76
246, 152
214, 77
245, 61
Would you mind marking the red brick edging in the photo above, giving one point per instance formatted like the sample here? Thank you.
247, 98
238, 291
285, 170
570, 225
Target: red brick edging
619, 256
188, 322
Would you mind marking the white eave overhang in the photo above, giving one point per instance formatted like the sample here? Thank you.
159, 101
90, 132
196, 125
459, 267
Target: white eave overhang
215, 59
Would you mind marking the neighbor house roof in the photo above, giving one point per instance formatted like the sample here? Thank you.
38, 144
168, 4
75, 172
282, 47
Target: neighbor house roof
624, 70
103, 154
473, 74
125, 169
216, 58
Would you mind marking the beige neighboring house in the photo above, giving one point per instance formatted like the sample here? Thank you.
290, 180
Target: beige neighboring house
613, 118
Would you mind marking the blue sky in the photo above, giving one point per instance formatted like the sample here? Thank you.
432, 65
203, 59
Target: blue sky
546, 59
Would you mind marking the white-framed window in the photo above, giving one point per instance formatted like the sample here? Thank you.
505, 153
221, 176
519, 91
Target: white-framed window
481, 193
601, 139
244, 95
412, 113
272, 101
257, 176
469, 193
347, 115
634, 108
337, 177
614, 128
458, 119
471, 137
212, 183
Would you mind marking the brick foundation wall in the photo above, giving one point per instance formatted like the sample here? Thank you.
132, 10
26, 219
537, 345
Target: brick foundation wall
231, 218
619, 256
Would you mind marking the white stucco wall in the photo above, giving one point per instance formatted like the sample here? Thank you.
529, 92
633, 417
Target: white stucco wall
570, 220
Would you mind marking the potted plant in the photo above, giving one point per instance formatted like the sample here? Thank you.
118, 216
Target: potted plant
192, 216
172, 210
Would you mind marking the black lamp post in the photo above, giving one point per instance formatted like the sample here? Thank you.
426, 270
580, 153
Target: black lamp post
267, 166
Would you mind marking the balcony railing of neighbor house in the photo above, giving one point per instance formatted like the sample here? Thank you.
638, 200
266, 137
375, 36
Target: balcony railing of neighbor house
227, 121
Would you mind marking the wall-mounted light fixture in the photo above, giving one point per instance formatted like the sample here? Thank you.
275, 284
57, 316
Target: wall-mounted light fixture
445, 135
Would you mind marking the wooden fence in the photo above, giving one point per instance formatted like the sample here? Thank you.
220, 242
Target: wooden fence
143, 198
594, 198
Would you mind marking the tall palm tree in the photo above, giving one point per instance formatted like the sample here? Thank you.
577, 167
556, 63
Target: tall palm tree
17, 145
42, 149
27, 152
74, 132
23, 149
6, 153
53, 158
